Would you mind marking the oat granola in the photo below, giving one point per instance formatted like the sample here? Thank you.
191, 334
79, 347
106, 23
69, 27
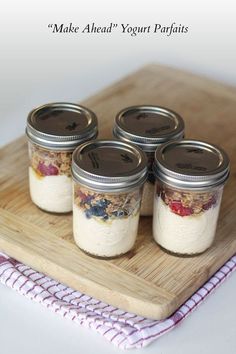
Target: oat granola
49, 162
106, 206
187, 203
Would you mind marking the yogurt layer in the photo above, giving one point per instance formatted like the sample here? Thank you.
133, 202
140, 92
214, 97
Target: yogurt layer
51, 193
147, 199
105, 239
184, 235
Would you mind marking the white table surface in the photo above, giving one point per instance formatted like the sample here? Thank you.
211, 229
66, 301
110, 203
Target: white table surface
27, 327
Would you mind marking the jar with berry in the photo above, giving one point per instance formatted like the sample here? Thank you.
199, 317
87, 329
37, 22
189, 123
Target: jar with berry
54, 130
108, 179
190, 177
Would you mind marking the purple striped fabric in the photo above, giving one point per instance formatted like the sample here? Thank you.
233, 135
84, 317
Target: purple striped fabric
125, 330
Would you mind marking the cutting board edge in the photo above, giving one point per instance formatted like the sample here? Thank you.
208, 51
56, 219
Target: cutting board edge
157, 304
144, 308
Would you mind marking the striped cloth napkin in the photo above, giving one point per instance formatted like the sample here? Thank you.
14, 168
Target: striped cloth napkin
125, 330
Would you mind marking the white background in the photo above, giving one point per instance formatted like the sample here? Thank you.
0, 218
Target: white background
37, 66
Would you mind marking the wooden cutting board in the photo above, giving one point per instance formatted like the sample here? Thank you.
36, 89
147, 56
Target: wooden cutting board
147, 281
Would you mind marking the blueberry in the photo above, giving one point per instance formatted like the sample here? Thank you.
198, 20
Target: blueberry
88, 199
120, 213
103, 203
97, 210
88, 213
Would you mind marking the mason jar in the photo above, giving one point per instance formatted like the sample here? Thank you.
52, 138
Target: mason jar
108, 178
190, 177
54, 130
148, 127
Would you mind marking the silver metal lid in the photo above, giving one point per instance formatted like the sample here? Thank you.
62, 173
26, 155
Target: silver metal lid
148, 126
61, 126
191, 164
109, 165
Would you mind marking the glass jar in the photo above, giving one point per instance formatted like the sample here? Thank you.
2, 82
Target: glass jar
148, 127
190, 176
54, 131
108, 178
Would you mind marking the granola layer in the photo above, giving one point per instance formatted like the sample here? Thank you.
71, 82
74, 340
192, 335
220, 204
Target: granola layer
185, 203
106, 206
49, 162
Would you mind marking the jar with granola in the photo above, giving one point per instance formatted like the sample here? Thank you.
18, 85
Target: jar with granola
108, 178
54, 130
190, 176
148, 127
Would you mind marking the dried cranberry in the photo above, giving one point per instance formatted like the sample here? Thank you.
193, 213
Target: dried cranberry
209, 204
81, 195
178, 208
49, 170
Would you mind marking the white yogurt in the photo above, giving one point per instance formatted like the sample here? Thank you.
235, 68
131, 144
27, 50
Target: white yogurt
184, 234
51, 193
147, 199
104, 238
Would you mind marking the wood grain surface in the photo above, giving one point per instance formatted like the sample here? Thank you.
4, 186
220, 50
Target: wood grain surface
147, 281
